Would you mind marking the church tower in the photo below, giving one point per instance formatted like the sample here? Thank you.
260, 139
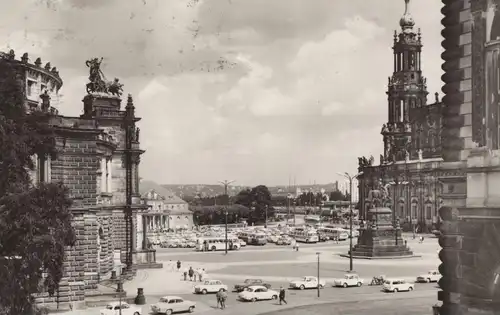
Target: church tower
406, 90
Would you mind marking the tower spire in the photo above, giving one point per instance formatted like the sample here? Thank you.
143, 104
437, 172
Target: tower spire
406, 22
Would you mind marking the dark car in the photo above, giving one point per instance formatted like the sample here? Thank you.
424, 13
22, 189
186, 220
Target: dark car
250, 282
323, 237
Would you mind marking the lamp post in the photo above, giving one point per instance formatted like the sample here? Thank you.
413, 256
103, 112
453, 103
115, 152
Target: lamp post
319, 286
350, 178
265, 225
288, 197
226, 230
129, 126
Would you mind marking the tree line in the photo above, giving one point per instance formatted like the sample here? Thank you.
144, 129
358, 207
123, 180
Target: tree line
254, 205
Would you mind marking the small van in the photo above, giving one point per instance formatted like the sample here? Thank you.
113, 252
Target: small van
397, 285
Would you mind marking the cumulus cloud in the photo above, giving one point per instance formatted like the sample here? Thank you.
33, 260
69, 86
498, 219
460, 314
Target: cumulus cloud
253, 90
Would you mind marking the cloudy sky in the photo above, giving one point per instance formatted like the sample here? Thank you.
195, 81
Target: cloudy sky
257, 91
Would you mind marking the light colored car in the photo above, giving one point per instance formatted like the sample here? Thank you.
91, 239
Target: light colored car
113, 308
257, 293
172, 304
397, 285
431, 276
210, 286
307, 283
349, 280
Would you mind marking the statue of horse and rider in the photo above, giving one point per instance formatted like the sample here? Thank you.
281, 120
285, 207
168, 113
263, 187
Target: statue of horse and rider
97, 83
379, 197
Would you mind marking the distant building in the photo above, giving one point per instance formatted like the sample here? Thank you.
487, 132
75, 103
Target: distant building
165, 211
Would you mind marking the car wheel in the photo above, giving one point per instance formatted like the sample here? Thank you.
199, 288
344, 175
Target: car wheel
204, 291
410, 289
395, 290
137, 313
191, 309
254, 299
168, 312
359, 284
302, 287
213, 248
274, 297
428, 280
321, 286
345, 285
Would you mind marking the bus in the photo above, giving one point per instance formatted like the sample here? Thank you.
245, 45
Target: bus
212, 243
257, 239
312, 220
305, 235
334, 233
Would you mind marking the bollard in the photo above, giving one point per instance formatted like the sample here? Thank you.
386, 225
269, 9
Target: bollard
140, 299
113, 275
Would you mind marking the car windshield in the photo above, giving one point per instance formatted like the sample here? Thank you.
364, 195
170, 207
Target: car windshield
249, 289
164, 300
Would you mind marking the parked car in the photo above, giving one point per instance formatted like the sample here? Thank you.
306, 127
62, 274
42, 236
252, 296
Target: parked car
397, 285
349, 280
431, 276
257, 293
307, 283
250, 282
126, 309
172, 304
210, 286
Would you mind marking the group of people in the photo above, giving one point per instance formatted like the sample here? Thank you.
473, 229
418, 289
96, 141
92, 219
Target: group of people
193, 274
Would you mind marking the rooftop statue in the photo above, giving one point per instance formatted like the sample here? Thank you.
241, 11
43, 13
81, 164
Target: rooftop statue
98, 82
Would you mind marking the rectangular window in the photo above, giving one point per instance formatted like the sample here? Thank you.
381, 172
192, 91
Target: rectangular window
43, 87
30, 88
43, 169
428, 212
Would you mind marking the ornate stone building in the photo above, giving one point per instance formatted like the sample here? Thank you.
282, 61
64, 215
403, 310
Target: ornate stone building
90, 163
470, 242
410, 166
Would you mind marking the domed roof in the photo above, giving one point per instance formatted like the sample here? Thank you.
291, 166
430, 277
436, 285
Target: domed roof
406, 22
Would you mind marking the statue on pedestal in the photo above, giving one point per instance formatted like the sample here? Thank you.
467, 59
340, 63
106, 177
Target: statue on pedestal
98, 82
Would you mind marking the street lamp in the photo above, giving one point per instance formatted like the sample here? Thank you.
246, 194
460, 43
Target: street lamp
317, 254
350, 178
265, 225
226, 230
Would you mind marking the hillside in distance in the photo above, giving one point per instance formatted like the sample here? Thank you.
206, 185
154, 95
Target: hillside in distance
214, 190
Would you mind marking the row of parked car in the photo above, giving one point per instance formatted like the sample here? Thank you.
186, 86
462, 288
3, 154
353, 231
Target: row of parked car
255, 289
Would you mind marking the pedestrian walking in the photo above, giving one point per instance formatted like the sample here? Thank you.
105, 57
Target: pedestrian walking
297, 247
282, 295
195, 274
178, 265
191, 273
219, 298
223, 299
185, 275
201, 274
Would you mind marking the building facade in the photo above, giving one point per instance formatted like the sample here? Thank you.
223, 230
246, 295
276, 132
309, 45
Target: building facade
90, 163
166, 211
470, 253
411, 164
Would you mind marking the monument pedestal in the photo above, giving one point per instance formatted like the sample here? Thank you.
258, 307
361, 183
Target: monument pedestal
380, 239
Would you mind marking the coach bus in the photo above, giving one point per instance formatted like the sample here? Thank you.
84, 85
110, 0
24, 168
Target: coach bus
217, 243
305, 235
